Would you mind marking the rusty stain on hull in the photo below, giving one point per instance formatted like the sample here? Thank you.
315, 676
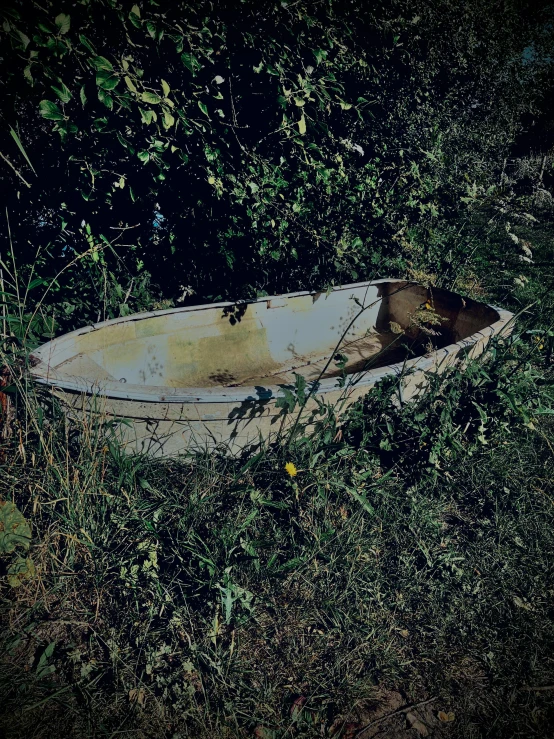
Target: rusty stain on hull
191, 378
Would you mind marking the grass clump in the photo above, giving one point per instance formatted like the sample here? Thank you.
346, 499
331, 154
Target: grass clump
411, 550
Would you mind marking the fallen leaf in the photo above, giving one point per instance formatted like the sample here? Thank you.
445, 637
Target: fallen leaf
446, 718
260, 732
350, 731
416, 724
517, 600
345, 731
138, 696
296, 710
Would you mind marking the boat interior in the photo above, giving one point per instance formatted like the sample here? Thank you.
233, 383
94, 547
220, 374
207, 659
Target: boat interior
347, 330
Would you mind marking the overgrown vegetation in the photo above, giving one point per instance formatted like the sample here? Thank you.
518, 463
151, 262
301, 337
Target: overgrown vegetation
260, 146
154, 154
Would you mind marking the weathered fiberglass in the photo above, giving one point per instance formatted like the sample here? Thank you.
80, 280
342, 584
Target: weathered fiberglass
210, 375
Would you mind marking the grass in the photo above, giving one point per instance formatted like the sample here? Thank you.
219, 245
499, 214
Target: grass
412, 552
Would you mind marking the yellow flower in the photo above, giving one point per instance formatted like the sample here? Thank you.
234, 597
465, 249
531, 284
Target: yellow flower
291, 469
428, 305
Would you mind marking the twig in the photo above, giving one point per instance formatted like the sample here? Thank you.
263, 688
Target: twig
538, 689
406, 709
4, 308
18, 173
129, 291
277, 130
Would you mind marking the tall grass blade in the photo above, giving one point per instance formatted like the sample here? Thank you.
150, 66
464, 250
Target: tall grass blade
17, 140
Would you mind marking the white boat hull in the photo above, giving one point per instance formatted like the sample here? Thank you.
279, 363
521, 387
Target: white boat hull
210, 376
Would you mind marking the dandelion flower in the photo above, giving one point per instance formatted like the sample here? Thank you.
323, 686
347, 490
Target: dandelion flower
291, 469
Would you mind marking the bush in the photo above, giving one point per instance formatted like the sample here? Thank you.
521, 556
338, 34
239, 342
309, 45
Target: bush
230, 150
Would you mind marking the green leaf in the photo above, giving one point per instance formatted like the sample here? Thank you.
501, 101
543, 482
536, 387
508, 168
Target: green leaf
362, 500
135, 10
150, 97
21, 569
86, 43
105, 98
166, 88
106, 80
320, 55
135, 20
100, 62
62, 92
24, 39
43, 668
148, 116
50, 111
130, 84
121, 140
63, 22
144, 156
169, 120
204, 108
151, 28
191, 62
83, 96
159, 146
14, 529
36, 283
302, 126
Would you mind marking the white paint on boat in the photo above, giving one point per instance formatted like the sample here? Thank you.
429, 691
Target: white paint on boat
210, 375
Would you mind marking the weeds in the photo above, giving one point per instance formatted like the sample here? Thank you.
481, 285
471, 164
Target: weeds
408, 548
205, 598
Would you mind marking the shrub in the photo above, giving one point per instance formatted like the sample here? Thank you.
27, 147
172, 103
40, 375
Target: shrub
239, 148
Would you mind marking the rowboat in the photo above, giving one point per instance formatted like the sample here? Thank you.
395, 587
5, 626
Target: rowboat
226, 375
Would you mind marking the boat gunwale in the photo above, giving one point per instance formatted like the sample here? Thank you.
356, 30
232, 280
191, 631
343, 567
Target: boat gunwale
42, 373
